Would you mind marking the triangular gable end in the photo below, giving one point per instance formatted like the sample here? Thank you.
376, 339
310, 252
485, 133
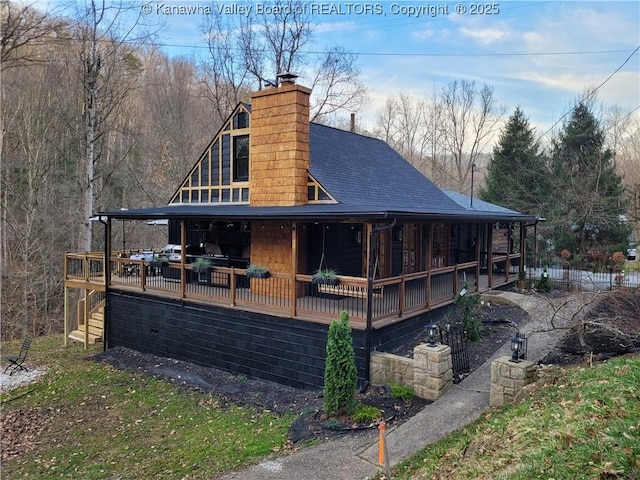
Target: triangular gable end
221, 175
317, 193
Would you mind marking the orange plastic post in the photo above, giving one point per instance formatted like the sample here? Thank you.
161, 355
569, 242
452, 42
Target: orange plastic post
381, 444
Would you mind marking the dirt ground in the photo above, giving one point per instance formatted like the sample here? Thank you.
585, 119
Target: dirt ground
610, 328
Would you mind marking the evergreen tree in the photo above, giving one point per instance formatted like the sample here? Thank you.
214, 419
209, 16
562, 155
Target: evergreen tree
516, 172
340, 375
588, 195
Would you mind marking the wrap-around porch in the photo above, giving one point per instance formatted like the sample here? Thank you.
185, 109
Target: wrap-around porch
293, 296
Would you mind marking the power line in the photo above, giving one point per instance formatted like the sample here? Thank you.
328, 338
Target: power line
425, 54
592, 92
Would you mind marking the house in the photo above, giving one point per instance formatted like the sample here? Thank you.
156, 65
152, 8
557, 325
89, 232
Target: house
275, 191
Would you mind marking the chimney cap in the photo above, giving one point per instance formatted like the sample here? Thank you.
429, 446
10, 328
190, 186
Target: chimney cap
287, 78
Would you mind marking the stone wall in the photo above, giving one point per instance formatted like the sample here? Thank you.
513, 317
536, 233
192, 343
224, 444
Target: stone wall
508, 379
429, 372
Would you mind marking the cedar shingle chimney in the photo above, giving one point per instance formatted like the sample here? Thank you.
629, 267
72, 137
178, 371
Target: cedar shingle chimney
280, 144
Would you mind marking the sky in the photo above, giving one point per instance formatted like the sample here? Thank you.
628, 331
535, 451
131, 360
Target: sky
538, 55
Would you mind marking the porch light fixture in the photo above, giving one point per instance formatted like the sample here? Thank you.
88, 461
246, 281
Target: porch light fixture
432, 330
516, 347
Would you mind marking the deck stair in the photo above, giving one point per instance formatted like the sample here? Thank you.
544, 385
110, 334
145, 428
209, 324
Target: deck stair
95, 322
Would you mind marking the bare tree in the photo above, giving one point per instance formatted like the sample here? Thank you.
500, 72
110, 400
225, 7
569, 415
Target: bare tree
177, 126
249, 53
35, 224
470, 120
436, 169
335, 85
622, 134
225, 71
24, 28
105, 34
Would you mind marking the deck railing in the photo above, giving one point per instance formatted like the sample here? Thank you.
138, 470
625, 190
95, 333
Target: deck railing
289, 295
85, 268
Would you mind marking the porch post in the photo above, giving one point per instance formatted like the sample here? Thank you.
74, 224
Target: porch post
294, 268
429, 263
477, 255
535, 245
107, 253
370, 274
183, 258
523, 245
490, 254
86, 314
507, 265
66, 310
107, 281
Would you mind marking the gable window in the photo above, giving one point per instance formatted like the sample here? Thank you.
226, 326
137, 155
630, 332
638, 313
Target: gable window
315, 192
221, 175
241, 158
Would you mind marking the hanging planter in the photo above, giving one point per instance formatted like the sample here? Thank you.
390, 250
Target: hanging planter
201, 270
325, 276
254, 271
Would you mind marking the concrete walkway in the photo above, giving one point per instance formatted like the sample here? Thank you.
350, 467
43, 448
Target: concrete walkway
356, 457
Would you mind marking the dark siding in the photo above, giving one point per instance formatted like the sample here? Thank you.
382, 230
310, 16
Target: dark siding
226, 160
405, 331
174, 232
286, 351
396, 252
341, 251
454, 244
350, 251
215, 165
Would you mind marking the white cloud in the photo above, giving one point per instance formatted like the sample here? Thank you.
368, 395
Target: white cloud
426, 34
485, 36
334, 27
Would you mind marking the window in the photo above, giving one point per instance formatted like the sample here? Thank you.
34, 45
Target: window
241, 120
241, 158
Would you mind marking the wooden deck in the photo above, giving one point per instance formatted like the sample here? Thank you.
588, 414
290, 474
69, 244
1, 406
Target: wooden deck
395, 299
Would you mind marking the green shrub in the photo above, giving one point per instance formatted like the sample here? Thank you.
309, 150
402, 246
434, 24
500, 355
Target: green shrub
402, 392
366, 414
544, 284
467, 305
333, 424
340, 374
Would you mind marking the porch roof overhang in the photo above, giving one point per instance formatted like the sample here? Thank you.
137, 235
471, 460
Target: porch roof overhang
325, 212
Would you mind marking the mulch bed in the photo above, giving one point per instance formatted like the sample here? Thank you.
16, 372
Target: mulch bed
499, 323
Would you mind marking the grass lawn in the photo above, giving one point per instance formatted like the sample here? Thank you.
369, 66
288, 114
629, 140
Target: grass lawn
579, 422
98, 422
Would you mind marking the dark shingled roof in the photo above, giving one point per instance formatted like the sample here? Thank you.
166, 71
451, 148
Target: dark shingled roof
363, 171
366, 176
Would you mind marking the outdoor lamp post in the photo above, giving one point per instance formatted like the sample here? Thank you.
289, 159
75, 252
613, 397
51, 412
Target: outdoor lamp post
516, 347
432, 329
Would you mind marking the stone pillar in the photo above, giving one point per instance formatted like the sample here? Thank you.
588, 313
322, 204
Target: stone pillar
433, 373
508, 379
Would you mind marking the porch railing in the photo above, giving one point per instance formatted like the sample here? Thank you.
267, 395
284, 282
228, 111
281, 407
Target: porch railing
289, 295
87, 268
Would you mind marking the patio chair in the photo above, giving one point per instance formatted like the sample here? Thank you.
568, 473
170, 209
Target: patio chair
16, 361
